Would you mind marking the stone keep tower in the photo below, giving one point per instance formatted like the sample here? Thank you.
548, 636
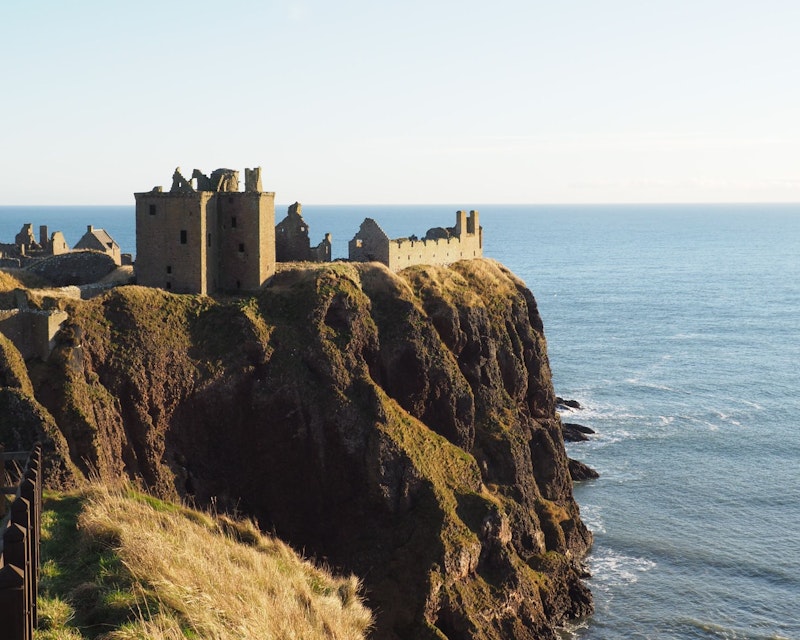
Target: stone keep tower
205, 235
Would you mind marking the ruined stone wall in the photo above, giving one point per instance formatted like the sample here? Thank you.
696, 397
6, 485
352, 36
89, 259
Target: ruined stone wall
292, 243
246, 229
32, 330
404, 252
370, 244
462, 242
58, 244
323, 252
173, 233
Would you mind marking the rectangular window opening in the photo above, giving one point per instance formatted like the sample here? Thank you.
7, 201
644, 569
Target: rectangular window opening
183, 236
152, 209
233, 222
241, 247
169, 268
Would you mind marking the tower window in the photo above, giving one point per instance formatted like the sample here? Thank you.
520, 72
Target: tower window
183, 236
169, 268
241, 247
152, 209
233, 222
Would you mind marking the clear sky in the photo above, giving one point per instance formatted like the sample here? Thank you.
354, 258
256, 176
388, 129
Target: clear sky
435, 101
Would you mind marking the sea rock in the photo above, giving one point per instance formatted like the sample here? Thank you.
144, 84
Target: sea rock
580, 471
401, 426
571, 404
575, 432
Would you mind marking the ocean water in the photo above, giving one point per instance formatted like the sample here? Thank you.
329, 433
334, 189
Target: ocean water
678, 330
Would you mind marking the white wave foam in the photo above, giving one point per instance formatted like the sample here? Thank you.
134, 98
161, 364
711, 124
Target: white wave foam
591, 516
610, 568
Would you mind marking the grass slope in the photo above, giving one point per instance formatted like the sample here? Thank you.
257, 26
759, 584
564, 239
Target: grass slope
118, 564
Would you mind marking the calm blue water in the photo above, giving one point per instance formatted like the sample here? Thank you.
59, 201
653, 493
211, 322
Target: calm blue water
678, 329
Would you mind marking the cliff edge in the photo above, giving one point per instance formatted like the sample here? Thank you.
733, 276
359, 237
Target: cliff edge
398, 426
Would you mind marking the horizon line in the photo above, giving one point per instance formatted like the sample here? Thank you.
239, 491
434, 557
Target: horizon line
479, 204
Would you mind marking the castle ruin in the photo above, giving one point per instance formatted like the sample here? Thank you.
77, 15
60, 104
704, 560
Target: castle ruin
25, 247
206, 236
441, 245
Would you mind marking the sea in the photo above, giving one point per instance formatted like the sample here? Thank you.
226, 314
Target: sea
677, 329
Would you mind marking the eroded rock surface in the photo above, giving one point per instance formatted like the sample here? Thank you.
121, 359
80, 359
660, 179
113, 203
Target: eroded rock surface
400, 426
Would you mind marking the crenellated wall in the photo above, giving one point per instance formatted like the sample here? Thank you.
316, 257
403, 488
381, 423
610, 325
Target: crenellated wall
439, 246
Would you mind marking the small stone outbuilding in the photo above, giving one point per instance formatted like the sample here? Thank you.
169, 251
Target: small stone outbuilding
99, 240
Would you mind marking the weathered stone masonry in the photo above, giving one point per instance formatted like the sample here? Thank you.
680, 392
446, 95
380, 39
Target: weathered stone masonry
439, 246
207, 236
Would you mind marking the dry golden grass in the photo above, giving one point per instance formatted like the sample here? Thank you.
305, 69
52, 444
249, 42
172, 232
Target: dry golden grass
11, 279
193, 575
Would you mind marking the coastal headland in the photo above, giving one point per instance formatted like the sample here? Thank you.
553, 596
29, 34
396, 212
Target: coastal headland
399, 426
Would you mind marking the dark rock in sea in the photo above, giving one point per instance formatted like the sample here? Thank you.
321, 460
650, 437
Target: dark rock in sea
572, 404
575, 432
580, 471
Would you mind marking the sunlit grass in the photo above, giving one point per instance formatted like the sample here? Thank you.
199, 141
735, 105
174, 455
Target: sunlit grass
120, 565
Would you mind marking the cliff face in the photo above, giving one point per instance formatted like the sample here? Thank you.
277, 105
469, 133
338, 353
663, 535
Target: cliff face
401, 427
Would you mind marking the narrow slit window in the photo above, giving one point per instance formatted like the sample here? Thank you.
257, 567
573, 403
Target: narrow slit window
152, 209
233, 222
241, 247
183, 236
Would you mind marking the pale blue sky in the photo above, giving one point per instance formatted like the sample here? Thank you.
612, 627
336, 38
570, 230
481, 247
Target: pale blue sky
509, 101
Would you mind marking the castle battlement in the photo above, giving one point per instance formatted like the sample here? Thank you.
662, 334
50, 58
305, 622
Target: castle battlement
441, 245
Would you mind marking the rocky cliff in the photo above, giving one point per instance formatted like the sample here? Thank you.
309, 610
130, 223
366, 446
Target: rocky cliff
399, 426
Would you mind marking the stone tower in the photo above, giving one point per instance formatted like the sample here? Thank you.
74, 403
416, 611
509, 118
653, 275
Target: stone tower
204, 235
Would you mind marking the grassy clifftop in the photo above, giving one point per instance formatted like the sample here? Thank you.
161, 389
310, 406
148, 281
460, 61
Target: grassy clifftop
401, 426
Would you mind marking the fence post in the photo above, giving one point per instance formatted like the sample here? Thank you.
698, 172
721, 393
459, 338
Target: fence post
16, 573
27, 492
35, 489
12, 602
3, 505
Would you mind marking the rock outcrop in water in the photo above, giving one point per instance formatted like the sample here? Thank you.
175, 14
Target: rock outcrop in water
399, 426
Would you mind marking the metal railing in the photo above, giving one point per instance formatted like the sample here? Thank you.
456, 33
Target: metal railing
20, 529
